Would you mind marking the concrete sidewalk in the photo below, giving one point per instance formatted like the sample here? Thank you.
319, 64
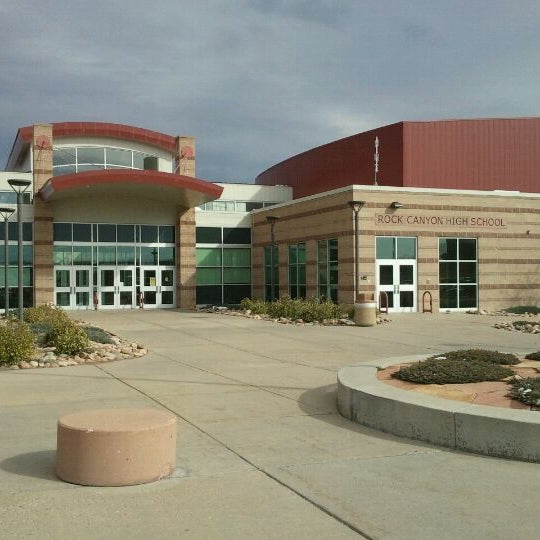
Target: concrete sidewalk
262, 451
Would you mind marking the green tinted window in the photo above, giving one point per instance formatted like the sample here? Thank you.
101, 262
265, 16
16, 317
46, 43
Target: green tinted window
208, 276
236, 257
208, 256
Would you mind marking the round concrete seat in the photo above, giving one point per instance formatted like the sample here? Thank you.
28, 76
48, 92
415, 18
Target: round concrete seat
116, 447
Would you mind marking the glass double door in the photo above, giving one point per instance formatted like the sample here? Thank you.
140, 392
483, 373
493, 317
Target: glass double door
157, 286
73, 289
114, 287
396, 280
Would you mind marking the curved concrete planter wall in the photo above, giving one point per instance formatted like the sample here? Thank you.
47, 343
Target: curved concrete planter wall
492, 431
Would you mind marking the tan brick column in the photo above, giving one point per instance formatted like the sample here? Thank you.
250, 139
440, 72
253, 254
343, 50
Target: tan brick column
185, 285
42, 155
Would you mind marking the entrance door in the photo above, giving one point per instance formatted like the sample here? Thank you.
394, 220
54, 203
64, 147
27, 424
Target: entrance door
116, 287
73, 287
157, 286
398, 280
396, 272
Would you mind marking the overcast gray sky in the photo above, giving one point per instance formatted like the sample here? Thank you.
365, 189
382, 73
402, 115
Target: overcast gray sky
257, 81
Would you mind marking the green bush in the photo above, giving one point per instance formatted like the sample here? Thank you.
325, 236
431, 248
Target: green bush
526, 390
45, 314
16, 343
492, 357
452, 371
533, 356
68, 337
523, 309
309, 310
40, 331
97, 334
257, 307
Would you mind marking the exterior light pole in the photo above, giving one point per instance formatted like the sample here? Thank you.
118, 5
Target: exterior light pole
5, 214
272, 220
19, 186
355, 206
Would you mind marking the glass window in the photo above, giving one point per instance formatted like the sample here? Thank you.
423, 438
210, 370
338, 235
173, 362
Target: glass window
106, 233
297, 270
166, 256
64, 156
234, 294
138, 160
82, 255
125, 234
126, 255
92, 155
107, 255
271, 275
62, 232
448, 249
406, 248
149, 234
62, 255
467, 249
239, 235
237, 257
209, 294
208, 235
166, 234
208, 256
385, 247
253, 206
82, 232
149, 255
236, 275
208, 276
328, 268
118, 157
458, 288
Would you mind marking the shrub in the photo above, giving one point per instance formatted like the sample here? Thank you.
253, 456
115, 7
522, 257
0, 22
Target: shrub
97, 334
45, 314
16, 342
40, 331
533, 356
523, 309
491, 357
452, 371
526, 390
257, 307
68, 337
309, 310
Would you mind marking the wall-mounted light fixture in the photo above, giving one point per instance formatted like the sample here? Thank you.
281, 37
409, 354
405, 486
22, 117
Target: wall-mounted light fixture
397, 204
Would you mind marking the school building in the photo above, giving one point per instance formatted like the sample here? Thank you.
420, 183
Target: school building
445, 213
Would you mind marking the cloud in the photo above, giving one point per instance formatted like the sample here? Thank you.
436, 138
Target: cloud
256, 82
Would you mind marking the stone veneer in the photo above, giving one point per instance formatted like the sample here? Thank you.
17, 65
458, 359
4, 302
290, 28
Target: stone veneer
507, 228
185, 287
42, 161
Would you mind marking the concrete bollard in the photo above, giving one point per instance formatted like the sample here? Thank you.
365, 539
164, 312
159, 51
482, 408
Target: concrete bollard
116, 447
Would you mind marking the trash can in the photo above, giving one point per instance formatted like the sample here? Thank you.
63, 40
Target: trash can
365, 310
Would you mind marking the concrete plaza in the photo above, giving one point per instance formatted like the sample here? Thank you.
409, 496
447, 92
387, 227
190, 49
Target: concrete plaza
262, 451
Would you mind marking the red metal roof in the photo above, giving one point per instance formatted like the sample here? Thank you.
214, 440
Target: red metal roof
481, 154
150, 185
107, 130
